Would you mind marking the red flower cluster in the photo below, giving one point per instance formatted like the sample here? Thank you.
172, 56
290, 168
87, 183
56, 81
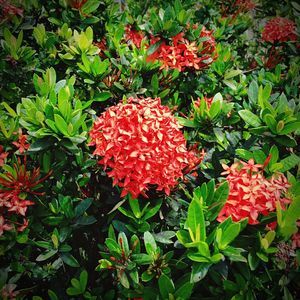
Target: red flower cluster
13, 187
184, 54
134, 36
236, 8
3, 156
279, 30
21, 143
77, 3
142, 145
251, 194
244, 5
102, 47
9, 10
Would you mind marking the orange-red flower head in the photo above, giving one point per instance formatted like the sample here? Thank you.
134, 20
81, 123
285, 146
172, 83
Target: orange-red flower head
142, 145
251, 194
182, 54
279, 29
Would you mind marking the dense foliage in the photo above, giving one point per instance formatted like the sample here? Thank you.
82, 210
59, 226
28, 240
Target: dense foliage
149, 149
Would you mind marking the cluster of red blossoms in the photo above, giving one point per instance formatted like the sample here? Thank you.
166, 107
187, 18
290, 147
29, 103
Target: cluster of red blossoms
8, 10
279, 29
15, 185
251, 194
134, 36
236, 7
183, 54
142, 145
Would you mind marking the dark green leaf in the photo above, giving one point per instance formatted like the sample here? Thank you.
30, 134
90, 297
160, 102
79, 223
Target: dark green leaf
250, 118
166, 286
70, 260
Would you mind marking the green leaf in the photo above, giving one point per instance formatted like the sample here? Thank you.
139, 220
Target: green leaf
135, 207
271, 122
147, 277
286, 141
52, 295
44, 244
253, 261
70, 260
266, 92
166, 286
164, 93
253, 92
61, 125
164, 237
259, 156
141, 259
296, 5
186, 122
124, 279
244, 154
184, 292
219, 199
46, 255
231, 84
153, 48
229, 234
289, 162
290, 127
100, 97
199, 271
195, 218
150, 243
153, 210
234, 254
123, 242
82, 207
71, 291
155, 84
232, 73
83, 278
250, 118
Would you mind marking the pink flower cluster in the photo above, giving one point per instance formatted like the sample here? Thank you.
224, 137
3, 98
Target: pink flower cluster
279, 29
251, 194
142, 145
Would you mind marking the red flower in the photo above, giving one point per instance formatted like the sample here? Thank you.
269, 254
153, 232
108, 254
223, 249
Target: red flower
22, 180
244, 5
102, 47
279, 30
251, 194
142, 145
9, 10
134, 36
77, 3
271, 226
4, 226
296, 240
3, 156
15, 185
208, 101
183, 54
21, 144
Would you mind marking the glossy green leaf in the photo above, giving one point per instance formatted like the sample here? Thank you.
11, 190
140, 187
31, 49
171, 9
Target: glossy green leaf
150, 243
250, 118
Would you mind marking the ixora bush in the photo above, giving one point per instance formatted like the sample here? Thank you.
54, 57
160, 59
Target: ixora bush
149, 150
